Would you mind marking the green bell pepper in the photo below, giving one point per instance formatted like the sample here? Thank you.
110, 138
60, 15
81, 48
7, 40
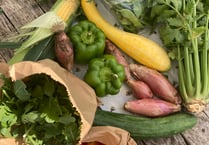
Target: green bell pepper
88, 41
105, 75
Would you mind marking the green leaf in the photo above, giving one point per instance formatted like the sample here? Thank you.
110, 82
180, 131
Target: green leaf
51, 109
196, 32
42, 50
129, 15
51, 130
6, 132
8, 84
157, 10
46, 21
31, 117
7, 120
171, 35
18, 57
38, 35
37, 92
11, 45
175, 22
137, 7
177, 4
49, 87
20, 91
67, 119
71, 133
33, 139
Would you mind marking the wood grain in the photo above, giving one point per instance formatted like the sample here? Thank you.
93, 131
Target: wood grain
16, 13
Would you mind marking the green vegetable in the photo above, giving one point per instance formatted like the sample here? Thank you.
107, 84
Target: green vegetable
105, 75
40, 37
38, 110
88, 41
185, 32
146, 128
129, 13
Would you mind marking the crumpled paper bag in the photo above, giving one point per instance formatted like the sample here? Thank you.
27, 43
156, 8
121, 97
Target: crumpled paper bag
81, 95
109, 135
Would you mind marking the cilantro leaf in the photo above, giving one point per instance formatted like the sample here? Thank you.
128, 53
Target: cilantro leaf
7, 120
31, 117
20, 90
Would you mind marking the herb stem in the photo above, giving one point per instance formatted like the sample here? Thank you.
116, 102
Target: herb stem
6, 95
28, 131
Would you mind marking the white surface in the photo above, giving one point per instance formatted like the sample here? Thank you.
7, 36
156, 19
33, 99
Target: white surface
116, 102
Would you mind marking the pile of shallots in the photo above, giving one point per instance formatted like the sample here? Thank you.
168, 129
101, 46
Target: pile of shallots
155, 95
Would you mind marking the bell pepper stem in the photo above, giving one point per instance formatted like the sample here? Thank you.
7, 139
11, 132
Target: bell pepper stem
107, 74
87, 37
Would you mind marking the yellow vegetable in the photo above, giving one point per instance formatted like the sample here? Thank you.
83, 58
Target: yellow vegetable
65, 9
142, 49
62, 11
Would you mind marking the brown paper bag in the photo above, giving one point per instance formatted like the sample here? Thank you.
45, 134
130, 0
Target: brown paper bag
80, 94
109, 135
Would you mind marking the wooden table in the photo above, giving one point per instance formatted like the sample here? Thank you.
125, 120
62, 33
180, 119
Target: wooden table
16, 13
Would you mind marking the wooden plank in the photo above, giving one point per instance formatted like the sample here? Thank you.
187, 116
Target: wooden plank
20, 12
45, 5
174, 140
5, 55
6, 28
17, 13
199, 135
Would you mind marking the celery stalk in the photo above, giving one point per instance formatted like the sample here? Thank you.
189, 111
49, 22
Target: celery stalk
187, 24
194, 69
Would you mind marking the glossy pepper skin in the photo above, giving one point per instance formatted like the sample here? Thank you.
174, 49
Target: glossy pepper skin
105, 75
88, 41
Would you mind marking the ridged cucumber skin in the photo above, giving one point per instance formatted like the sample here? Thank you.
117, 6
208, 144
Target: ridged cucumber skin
146, 128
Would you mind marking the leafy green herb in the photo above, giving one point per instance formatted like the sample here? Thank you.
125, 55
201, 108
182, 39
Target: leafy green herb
185, 32
38, 110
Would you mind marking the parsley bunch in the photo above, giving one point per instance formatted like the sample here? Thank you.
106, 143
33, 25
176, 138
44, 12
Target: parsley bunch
38, 110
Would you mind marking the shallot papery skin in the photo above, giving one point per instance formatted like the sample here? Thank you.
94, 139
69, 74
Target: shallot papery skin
151, 107
158, 83
64, 50
139, 89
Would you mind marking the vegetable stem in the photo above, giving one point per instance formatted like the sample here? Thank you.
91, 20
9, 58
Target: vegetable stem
182, 85
188, 71
196, 52
204, 59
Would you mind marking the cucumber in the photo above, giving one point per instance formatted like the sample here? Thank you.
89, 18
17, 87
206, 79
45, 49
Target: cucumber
145, 128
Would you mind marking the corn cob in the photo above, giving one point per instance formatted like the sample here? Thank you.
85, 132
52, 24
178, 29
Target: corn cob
64, 10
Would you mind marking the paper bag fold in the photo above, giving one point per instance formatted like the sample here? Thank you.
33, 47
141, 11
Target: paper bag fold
109, 135
81, 95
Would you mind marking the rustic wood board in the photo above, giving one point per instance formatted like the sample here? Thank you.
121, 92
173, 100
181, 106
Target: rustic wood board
16, 13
